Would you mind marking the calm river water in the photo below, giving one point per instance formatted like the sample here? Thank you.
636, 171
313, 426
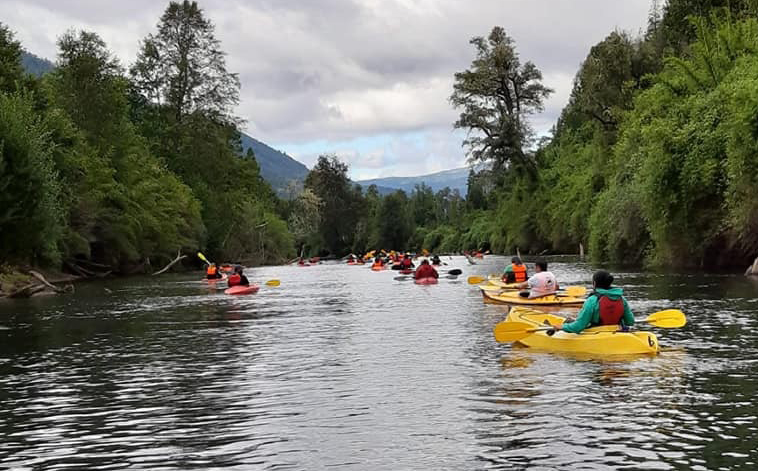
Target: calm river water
344, 368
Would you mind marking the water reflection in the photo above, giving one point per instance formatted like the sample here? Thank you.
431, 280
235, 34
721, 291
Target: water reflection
341, 367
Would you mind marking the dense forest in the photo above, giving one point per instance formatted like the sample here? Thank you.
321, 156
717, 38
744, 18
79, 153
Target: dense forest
654, 160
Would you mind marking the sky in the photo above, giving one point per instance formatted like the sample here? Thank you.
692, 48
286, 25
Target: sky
368, 80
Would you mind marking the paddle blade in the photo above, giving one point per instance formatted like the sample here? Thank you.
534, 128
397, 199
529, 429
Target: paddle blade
202, 257
475, 280
668, 319
273, 283
455, 271
511, 331
402, 278
575, 291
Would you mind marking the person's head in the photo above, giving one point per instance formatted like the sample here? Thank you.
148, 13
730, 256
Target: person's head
602, 279
540, 265
238, 269
425, 262
516, 260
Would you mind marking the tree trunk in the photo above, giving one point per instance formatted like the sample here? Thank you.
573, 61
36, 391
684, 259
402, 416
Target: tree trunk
179, 257
752, 269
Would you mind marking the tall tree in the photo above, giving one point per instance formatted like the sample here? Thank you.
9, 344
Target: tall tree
497, 94
328, 181
184, 68
10, 60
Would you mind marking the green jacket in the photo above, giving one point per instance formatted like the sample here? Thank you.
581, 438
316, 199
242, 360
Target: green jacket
589, 316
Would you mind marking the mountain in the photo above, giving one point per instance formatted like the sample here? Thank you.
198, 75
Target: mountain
455, 179
35, 65
277, 168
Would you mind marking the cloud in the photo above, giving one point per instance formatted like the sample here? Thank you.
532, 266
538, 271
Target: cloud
339, 71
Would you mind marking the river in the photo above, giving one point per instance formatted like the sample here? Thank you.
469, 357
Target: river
344, 368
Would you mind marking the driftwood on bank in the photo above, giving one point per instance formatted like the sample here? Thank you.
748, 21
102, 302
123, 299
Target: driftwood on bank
179, 257
44, 281
752, 270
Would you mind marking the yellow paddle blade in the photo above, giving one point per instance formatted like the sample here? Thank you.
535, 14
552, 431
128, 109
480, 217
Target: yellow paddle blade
668, 319
475, 280
575, 291
273, 283
202, 257
512, 331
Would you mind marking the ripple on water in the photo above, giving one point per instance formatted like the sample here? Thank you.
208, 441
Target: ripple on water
344, 368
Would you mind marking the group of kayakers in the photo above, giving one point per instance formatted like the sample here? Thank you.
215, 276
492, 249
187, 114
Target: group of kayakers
236, 278
605, 306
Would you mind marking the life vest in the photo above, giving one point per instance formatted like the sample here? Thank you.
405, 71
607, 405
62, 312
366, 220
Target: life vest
406, 263
519, 271
211, 271
611, 310
234, 280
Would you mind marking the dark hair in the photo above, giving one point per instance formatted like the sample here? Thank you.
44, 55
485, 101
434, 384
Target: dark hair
602, 279
425, 262
542, 264
516, 260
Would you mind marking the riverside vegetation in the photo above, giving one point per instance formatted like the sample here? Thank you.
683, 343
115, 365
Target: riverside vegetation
653, 160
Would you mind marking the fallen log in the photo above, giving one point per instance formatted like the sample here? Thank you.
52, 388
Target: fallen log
26, 291
752, 270
179, 257
42, 280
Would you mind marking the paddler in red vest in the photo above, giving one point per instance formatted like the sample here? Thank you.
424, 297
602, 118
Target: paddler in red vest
606, 306
213, 273
515, 272
425, 271
407, 262
238, 278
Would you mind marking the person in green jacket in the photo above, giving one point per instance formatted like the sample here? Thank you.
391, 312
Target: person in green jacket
606, 306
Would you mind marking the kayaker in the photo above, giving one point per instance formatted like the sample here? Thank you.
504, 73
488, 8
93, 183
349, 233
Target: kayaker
425, 271
542, 283
436, 260
407, 262
515, 272
606, 306
378, 262
213, 273
238, 278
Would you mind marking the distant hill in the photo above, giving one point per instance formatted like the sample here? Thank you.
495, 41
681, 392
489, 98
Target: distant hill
277, 168
455, 178
35, 65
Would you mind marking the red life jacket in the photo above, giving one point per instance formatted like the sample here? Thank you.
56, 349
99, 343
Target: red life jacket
426, 271
611, 310
520, 272
406, 263
234, 280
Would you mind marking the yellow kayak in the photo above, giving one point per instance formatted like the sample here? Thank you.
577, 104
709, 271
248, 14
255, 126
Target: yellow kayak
500, 284
604, 340
512, 297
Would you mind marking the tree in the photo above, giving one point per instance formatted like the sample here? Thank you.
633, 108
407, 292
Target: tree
497, 95
10, 60
183, 67
328, 181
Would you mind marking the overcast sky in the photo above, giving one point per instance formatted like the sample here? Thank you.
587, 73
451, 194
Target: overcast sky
366, 79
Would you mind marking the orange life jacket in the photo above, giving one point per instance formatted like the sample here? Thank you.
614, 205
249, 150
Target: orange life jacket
234, 280
611, 310
520, 272
211, 270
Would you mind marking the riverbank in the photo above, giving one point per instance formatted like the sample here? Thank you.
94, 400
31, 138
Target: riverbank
26, 282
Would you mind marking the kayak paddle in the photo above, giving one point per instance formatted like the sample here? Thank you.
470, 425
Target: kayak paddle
475, 280
451, 274
514, 331
202, 257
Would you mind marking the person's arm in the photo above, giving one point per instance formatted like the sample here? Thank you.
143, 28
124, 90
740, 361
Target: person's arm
584, 319
628, 318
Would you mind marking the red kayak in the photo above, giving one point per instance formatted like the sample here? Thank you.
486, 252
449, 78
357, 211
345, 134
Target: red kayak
426, 281
252, 289
407, 271
378, 267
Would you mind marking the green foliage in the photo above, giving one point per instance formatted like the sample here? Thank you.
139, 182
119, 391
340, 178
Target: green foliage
11, 72
497, 95
30, 222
